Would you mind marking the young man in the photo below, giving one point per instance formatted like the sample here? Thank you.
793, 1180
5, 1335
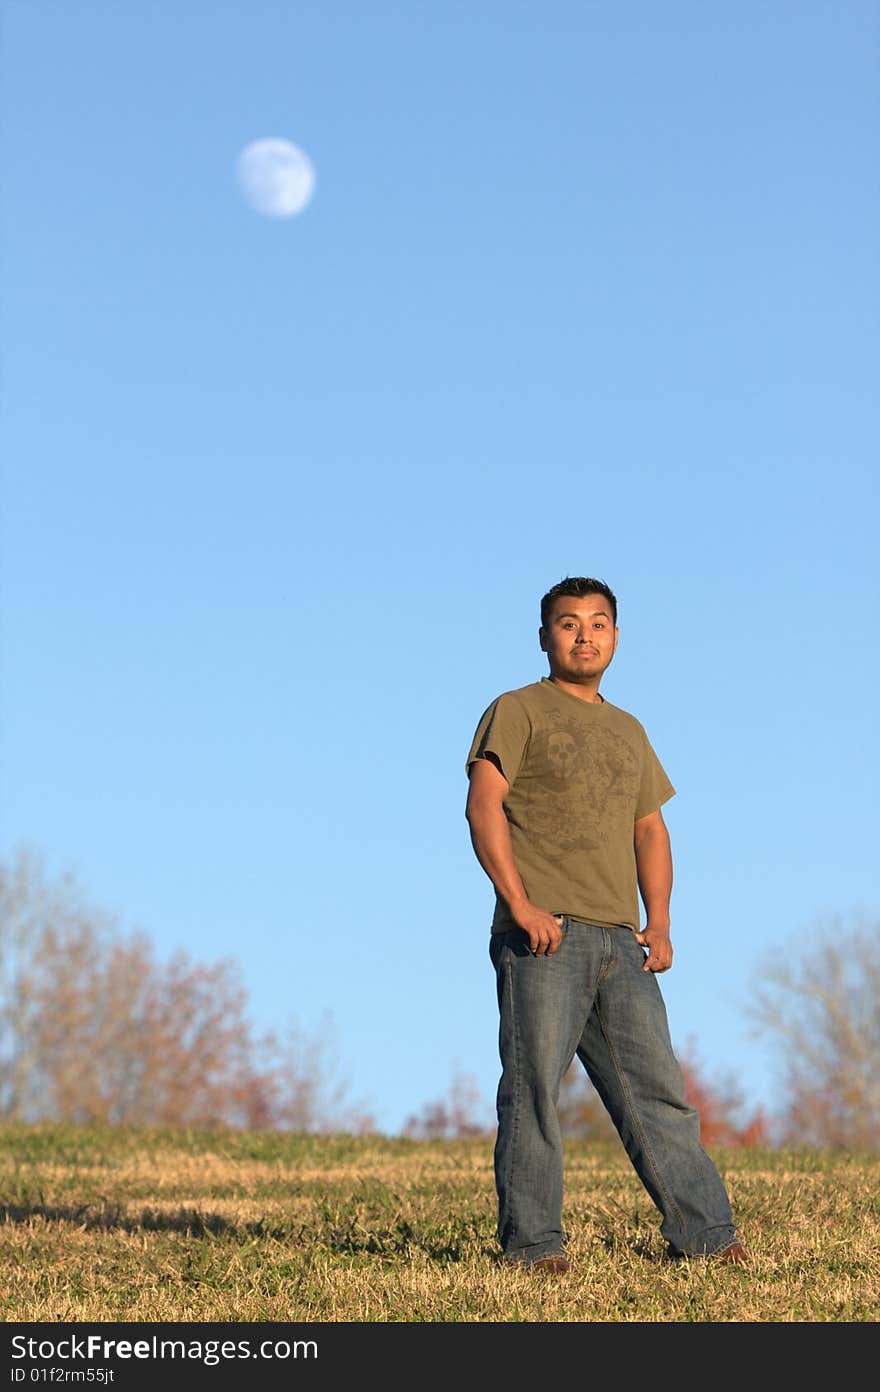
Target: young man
564, 810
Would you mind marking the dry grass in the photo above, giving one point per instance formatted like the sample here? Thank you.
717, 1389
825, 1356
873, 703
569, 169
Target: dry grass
136, 1225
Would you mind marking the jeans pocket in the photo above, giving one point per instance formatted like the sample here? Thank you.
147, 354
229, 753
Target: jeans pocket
508, 940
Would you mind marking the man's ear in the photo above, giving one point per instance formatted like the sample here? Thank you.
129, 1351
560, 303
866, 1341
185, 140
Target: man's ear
542, 638
616, 636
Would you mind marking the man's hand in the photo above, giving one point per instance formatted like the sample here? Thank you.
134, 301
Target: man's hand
544, 929
655, 937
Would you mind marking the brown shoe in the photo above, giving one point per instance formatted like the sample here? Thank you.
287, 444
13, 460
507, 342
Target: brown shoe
735, 1253
555, 1266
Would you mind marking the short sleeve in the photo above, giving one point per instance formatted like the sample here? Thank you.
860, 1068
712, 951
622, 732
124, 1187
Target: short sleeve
503, 730
655, 787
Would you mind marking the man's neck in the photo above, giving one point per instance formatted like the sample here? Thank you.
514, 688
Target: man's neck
584, 691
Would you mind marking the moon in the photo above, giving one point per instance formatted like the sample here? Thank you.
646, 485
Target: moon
276, 177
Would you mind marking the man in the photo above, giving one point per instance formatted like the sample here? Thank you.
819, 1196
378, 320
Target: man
564, 810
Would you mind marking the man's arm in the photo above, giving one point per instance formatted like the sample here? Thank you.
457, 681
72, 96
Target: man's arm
490, 837
654, 868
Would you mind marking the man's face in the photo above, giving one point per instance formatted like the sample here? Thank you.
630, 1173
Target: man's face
580, 638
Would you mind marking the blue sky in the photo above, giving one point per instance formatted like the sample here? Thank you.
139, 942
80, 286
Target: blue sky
582, 288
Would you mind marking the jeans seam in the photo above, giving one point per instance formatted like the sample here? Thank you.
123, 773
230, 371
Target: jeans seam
635, 1122
605, 964
505, 1218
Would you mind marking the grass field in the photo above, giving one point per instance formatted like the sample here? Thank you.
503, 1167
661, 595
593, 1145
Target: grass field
143, 1225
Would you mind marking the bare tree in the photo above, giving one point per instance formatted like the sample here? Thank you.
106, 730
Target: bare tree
725, 1119
29, 905
93, 1027
720, 1103
306, 1097
819, 997
460, 1113
582, 1114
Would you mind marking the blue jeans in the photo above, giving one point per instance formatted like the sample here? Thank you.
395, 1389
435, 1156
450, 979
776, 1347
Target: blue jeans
593, 998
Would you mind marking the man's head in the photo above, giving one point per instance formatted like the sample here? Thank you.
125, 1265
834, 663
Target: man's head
579, 630
577, 587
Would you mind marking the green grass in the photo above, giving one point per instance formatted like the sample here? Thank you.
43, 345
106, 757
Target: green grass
128, 1224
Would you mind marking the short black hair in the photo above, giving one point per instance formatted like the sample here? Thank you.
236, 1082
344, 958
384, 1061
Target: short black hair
578, 586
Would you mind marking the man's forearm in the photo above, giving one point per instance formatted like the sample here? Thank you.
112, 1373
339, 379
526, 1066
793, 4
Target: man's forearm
490, 838
654, 867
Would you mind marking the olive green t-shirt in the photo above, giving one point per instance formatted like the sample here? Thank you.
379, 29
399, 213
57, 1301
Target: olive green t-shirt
580, 774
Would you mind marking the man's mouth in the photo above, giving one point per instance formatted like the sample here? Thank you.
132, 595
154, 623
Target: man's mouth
584, 652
